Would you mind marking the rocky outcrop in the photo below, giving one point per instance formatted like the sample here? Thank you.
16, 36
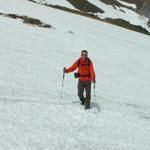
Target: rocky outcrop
145, 9
85, 6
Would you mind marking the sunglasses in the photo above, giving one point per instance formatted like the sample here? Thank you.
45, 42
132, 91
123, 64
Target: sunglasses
83, 54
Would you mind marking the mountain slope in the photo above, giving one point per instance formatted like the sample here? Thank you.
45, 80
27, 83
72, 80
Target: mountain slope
31, 62
132, 15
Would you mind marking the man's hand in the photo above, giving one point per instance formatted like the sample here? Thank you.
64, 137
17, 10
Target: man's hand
93, 81
64, 70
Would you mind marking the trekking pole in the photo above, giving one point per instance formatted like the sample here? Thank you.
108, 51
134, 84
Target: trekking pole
62, 86
94, 91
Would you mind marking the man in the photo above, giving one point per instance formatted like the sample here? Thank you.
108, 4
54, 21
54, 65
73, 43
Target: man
86, 75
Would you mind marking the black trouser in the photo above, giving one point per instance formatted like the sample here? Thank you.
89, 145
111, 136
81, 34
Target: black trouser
85, 85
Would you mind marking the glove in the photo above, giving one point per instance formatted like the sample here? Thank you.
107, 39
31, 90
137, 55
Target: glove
93, 81
64, 70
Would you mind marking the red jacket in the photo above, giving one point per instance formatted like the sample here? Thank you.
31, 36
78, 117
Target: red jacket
85, 69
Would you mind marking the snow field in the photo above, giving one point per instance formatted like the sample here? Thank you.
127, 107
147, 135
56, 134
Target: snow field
31, 62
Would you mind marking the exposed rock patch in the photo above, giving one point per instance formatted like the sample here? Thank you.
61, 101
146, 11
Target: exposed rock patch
28, 20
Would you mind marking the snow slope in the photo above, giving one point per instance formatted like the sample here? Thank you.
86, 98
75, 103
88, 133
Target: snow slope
110, 11
31, 62
121, 13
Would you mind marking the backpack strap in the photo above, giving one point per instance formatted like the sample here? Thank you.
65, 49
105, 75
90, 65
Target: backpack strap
89, 62
78, 62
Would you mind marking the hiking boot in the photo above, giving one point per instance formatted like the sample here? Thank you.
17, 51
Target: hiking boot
87, 104
87, 107
82, 102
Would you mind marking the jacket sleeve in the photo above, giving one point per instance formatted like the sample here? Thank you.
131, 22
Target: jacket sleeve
92, 72
72, 68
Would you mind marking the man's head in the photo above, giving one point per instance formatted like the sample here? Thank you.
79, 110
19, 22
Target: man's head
84, 54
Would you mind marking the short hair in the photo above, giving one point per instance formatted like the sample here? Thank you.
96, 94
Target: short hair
84, 51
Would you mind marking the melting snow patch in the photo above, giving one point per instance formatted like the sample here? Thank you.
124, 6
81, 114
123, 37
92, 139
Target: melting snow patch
56, 2
127, 4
